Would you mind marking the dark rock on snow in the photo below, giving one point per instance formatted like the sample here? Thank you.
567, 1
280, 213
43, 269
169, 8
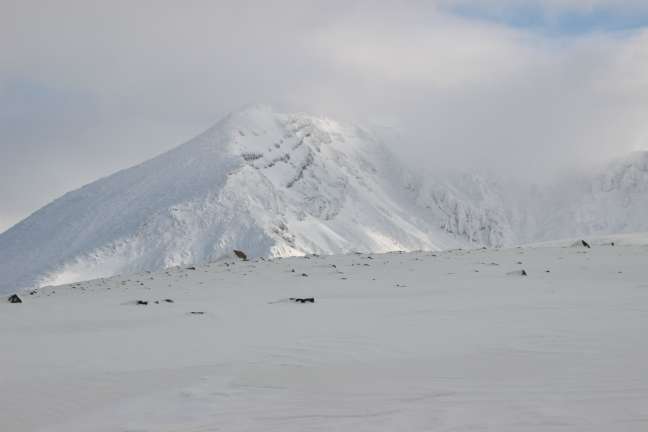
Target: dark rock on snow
240, 254
303, 300
14, 299
582, 243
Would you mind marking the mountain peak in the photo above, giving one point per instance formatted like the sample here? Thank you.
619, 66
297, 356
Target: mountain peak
250, 112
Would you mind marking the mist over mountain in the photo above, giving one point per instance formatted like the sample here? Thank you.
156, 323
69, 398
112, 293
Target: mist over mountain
275, 184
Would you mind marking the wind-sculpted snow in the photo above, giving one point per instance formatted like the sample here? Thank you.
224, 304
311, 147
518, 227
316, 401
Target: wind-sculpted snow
292, 184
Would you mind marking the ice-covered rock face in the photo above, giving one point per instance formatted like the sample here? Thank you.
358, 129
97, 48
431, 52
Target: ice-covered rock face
469, 207
614, 200
617, 199
297, 154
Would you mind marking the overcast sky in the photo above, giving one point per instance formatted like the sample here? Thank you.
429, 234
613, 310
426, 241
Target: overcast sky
533, 87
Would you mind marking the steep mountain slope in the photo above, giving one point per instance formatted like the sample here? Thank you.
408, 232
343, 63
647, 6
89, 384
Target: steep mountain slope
270, 184
614, 200
609, 200
467, 206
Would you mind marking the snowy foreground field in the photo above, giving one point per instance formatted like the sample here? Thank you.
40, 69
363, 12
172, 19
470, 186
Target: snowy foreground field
448, 341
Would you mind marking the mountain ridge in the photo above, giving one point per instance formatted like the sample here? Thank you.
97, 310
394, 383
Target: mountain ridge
276, 184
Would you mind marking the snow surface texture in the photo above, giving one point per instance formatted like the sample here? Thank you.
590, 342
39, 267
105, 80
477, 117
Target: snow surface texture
291, 184
444, 341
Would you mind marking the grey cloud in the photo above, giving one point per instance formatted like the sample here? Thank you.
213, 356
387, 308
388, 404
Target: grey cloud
88, 88
555, 6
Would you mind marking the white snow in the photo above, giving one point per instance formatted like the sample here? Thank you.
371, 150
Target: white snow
292, 184
272, 184
443, 341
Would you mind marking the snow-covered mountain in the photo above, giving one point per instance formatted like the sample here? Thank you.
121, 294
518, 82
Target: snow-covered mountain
267, 183
276, 184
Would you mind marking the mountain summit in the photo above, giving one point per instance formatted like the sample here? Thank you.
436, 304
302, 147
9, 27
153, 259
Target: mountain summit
275, 184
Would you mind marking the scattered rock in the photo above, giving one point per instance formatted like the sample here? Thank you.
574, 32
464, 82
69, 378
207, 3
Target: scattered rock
141, 303
191, 268
518, 273
582, 243
169, 301
14, 299
196, 313
304, 275
240, 254
303, 300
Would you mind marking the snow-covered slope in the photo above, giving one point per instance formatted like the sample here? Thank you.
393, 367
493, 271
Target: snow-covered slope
467, 206
615, 200
444, 341
276, 184
268, 183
